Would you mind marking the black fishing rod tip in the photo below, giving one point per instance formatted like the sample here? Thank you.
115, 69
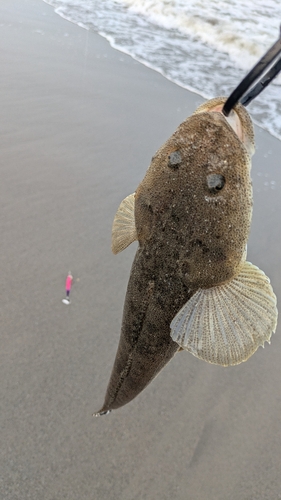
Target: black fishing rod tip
256, 80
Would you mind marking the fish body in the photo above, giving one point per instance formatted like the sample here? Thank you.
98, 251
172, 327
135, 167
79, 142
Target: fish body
191, 215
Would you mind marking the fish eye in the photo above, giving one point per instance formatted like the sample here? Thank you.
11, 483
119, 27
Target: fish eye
215, 182
174, 159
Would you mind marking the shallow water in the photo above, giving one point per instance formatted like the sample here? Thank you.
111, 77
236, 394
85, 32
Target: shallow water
206, 47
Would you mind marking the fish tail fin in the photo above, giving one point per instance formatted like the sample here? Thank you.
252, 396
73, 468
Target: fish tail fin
101, 412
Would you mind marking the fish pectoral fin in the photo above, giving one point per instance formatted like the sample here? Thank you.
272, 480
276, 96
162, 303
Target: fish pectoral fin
226, 324
123, 228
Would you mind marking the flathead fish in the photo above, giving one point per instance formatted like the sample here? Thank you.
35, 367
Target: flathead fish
191, 287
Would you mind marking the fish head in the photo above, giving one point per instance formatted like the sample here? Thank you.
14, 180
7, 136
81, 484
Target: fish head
238, 119
194, 205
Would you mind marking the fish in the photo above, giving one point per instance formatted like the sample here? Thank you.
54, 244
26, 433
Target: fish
191, 287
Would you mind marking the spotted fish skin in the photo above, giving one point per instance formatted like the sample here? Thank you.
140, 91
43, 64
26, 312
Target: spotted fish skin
146, 316
192, 214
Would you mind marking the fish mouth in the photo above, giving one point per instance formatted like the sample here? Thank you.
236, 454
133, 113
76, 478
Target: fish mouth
234, 122
232, 119
238, 120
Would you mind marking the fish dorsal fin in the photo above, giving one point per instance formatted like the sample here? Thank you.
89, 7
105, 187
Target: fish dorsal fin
226, 324
123, 228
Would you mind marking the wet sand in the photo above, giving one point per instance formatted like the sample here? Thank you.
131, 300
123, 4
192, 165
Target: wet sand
79, 124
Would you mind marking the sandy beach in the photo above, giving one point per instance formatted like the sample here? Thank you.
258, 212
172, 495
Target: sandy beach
79, 125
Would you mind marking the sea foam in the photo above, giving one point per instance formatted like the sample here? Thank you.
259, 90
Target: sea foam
206, 47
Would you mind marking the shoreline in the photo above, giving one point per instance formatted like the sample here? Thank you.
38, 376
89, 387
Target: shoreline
257, 107
80, 123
